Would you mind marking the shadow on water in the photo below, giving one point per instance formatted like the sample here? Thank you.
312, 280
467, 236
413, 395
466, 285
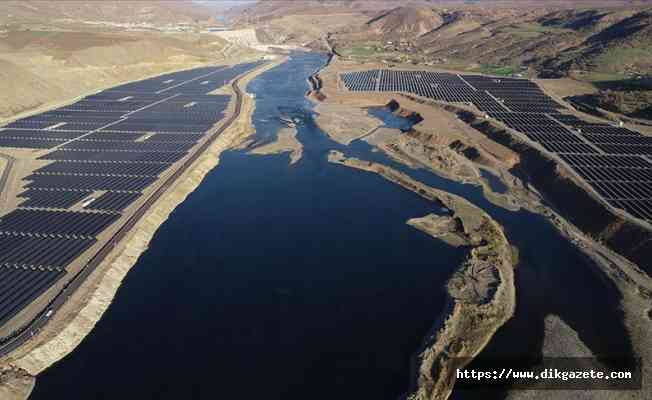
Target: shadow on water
391, 120
303, 281
496, 185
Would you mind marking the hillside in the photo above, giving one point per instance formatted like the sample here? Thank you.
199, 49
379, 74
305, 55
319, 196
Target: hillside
607, 44
549, 41
114, 11
299, 22
614, 43
409, 22
39, 68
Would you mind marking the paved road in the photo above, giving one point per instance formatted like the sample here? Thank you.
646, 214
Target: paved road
41, 320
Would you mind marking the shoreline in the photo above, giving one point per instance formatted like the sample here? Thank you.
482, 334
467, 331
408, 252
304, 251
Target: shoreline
75, 321
286, 142
633, 284
473, 311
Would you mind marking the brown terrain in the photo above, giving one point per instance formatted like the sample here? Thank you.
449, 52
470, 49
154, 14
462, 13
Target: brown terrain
47, 67
457, 142
604, 44
598, 53
76, 12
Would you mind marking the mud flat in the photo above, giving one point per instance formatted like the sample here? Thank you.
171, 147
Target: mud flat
286, 141
481, 295
446, 152
83, 310
345, 124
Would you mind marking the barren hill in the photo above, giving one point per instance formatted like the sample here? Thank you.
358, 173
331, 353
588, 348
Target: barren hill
116, 11
406, 21
301, 22
549, 40
39, 68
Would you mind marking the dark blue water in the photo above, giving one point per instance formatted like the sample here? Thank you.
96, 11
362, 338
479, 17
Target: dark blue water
293, 282
496, 185
391, 120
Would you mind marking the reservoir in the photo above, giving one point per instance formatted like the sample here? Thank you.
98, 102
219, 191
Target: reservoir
303, 281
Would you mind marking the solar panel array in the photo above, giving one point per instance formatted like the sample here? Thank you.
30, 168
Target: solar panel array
361, 81
616, 162
52, 198
103, 152
20, 286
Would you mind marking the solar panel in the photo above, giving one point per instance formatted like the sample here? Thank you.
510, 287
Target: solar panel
19, 287
51, 198
610, 158
92, 168
28, 251
43, 222
111, 201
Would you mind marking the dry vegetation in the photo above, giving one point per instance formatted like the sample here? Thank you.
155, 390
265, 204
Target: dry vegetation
603, 44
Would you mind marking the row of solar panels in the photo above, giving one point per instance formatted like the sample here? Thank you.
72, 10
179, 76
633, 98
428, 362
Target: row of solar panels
522, 106
107, 149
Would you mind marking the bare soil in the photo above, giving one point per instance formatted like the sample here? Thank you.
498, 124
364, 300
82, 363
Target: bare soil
286, 142
15, 384
41, 69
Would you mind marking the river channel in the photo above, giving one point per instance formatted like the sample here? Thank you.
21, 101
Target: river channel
303, 281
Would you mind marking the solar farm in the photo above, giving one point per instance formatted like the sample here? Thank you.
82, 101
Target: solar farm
614, 161
84, 168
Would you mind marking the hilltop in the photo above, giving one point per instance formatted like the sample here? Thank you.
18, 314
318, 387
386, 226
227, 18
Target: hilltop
406, 22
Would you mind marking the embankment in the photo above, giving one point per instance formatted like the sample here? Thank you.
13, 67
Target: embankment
481, 294
81, 312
